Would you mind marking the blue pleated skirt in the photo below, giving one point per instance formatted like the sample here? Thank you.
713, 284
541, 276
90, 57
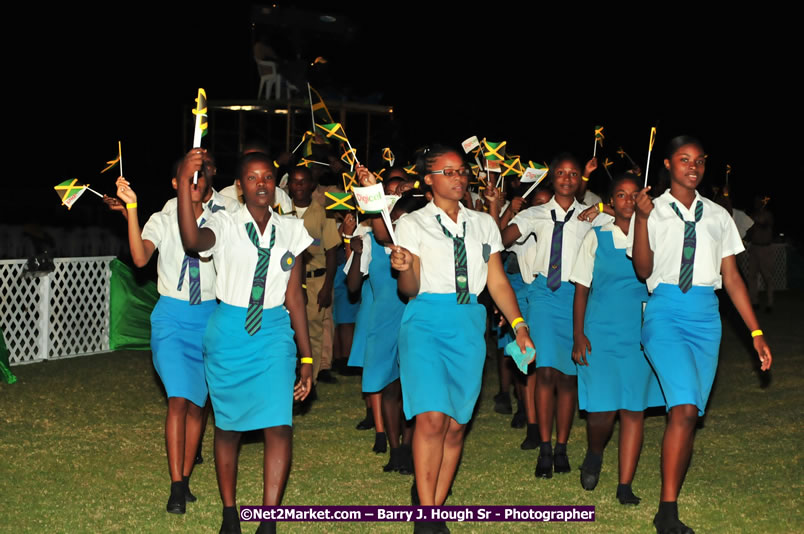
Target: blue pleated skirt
344, 311
177, 329
681, 335
618, 376
361, 326
250, 377
441, 355
550, 321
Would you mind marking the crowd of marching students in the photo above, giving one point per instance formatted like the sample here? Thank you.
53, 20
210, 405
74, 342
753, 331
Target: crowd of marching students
263, 292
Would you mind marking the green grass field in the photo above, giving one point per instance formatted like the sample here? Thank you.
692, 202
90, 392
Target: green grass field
82, 450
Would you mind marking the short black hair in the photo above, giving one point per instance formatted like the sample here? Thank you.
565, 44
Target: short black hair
678, 142
251, 157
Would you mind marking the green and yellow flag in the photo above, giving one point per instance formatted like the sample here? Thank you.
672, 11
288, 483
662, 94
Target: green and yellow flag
494, 151
410, 169
349, 181
621, 152
652, 138
70, 191
599, 135
202, 120
332, 129
278, 209
320, 112
512, 167
339, 201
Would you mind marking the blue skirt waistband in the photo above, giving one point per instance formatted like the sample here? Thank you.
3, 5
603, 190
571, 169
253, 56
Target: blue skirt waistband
444, 298
238, 312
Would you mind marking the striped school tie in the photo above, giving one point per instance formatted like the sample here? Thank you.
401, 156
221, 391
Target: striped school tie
554, 269
461, 270
688, 252
195, 275
255, 301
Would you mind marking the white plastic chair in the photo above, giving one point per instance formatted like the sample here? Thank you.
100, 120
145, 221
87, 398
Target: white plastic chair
272, 81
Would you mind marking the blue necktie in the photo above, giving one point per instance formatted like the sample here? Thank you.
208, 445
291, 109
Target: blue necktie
461, 270
556, 244
688, 252
195, 275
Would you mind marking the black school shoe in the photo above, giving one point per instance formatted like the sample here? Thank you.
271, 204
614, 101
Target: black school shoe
177, 502
544, 466
560, 460
380, 443
626, 495
231, 522
502, 403
590, 471
406, 460
532, 439
671, 526
367, 423
266, 527
395, 461
188, 496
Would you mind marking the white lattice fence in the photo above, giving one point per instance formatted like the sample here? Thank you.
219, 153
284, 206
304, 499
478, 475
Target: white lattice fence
62, 314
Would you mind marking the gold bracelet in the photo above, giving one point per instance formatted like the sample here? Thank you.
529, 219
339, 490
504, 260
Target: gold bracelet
516, 321
306, 360
347, 240
584, 178
600, 206
756, 333
131, 205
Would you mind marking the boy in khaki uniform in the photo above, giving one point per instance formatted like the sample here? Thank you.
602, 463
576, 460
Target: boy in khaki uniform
320, 262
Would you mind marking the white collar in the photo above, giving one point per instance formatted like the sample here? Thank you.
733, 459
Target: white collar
577, 206
689, 213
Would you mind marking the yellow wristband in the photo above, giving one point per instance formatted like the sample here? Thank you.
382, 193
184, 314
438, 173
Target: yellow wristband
756, 333
517, 321
131, 205
416, 184
347, 240
584, 178
600, 206
304, 286
306, 360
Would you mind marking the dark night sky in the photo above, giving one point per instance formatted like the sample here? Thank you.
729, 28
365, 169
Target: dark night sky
538, 77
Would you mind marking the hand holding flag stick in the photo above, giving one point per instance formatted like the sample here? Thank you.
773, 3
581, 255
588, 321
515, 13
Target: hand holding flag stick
650, 149
371, 198
201, 123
